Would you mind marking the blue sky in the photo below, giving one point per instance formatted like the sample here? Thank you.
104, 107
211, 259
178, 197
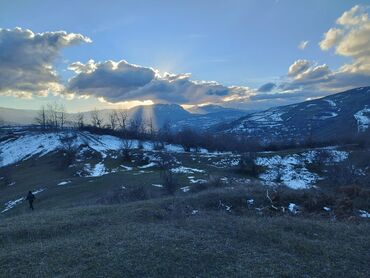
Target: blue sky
235, 43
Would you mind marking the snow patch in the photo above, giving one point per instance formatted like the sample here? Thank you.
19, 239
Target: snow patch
185, 189
151, 164
331, 102
364, 214
98, 170
64, 182
363, 119
186, 170
11, 204
197, 180
293, 208
20, 148
128, 168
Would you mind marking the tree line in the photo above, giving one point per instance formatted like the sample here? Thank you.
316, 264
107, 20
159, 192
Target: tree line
118, 123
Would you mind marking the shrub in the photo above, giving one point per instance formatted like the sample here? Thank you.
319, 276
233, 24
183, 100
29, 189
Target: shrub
248, 166
212, 182
126, 149
168, 180
69, 150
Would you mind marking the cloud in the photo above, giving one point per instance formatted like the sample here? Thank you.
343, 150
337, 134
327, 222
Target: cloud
121, 81
298, 67
331, 38
303, 44
26, 61
303, 74
268, 87
351, 38
354, 16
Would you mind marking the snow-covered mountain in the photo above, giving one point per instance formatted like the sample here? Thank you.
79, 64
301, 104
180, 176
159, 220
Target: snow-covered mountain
340, 115
212, 108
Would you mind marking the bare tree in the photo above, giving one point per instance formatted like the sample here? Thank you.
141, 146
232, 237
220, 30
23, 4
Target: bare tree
122, 119
113, 119
166, 163
126, 148
80, 120
151, 128
52, 115
40, 118
96, 118
135, 127
69, 150
62, 115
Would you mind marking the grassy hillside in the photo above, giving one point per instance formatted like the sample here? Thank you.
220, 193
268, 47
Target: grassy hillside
220, 221
148, 239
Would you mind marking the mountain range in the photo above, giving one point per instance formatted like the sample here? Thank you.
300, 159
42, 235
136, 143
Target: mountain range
344, 114
200, 117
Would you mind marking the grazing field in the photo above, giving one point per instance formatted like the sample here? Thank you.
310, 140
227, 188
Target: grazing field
152, 239
171, 213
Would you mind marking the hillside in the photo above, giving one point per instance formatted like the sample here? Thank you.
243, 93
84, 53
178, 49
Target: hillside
97, 158
345, 114
145, 239
119, 216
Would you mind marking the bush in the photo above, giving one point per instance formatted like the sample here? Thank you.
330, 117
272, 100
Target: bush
168, 180
126, 149
248, 166
69, 150
212, 182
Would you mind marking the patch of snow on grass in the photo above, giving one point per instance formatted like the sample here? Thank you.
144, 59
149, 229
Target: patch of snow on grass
289, 170
185, 189
25, 146
293, 208
331, 103
227, 162
128, 168
364, 214
98, 170
64, 182
186, 170
327, 115
363, 119
157, 185
197, 180
151, 164
11, 204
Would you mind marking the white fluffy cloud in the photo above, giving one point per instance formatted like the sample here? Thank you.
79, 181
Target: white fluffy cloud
351, 38
121, 81
298, 67
26, 61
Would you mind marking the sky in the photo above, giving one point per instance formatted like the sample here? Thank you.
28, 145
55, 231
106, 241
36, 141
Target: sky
248, 54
